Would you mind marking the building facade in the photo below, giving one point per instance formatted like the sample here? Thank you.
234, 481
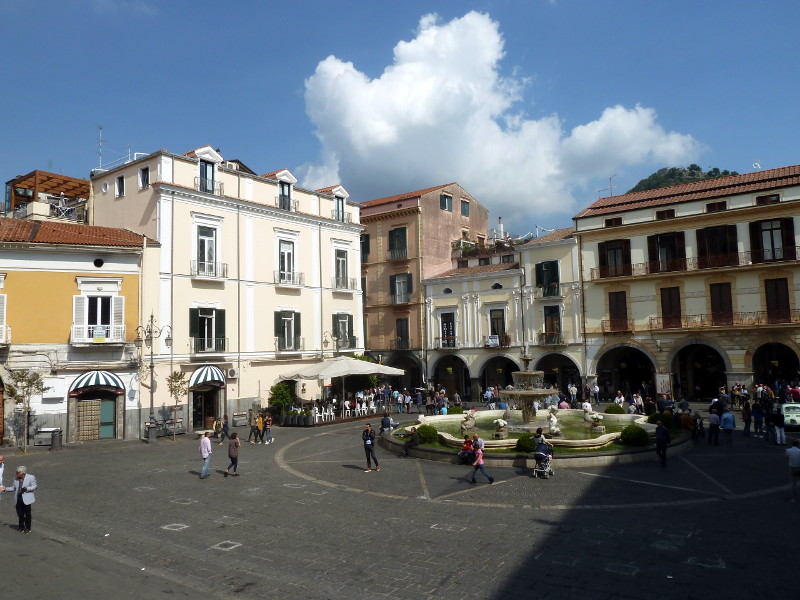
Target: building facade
693, 287
69, 294
256, 274
408, 238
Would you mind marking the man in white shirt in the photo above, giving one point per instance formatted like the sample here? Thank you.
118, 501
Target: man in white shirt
205, 453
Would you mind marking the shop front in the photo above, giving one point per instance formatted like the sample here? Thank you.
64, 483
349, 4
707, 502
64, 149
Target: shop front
207, 390
95, 407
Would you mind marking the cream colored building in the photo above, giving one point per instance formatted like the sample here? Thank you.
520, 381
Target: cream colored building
693, 286
504, 306
255, 275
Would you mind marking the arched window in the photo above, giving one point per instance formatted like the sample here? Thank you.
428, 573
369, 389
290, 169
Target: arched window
447, 291
497, 286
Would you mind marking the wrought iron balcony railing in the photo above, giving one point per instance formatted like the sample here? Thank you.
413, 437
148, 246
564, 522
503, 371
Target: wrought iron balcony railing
97, 334
550, 338
398, 253
727, 319
209, 186
617, 325
289, 344
199, 345
209, 269
289, 278
343, 283
448, 342
285, 202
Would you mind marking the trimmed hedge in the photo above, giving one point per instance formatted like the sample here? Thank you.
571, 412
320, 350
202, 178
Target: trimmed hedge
634, 435
455, 410
427, 434
614, 409
526, 444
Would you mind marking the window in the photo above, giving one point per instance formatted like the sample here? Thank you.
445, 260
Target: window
713, 207
446, 202
777, 293
462, 264
772, 240
482, 262
721, 304
716, 246
402, 341
340, 266
507, 258
618, 311
120, 187
465, 208
448, 330
671, 307
207, 330
497, 286
5, 330
284, 195
398, 247
286, 272
287, 330
206, 177
144, 178
768, 199
614, 258
338, 203
447, 291
497, 322
98, 318
666, 252
613, 222
364, 247
207, 252
343, 330
401, 289
668, 213
547, 277
552, 324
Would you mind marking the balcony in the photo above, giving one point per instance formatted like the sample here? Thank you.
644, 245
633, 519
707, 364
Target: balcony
286, 203
448, 342
697, 263
608, 326
209, 269
549, 338
96, 334
289, 278
208, 186
5, 334
344, 283
289, 344
497, 341
346, 342
341, 216
733, 319
401, 298
200, 345
551, 290
398, 253
400, 344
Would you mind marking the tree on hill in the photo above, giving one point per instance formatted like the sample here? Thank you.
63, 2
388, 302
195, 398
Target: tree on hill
677, 175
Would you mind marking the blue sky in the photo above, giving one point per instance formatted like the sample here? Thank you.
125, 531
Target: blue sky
530, 105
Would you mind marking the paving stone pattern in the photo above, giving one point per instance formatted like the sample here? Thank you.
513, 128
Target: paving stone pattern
305, 521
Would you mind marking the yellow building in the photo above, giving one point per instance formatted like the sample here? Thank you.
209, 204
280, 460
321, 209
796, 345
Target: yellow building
69, 307
256, 274
693, 287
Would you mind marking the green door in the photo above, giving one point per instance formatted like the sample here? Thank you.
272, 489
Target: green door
108, 419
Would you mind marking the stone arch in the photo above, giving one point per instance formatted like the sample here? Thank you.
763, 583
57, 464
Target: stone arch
453, 373
560, 369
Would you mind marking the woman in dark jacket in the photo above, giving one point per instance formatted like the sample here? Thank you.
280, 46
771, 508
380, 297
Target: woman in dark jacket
368, 435
233, 454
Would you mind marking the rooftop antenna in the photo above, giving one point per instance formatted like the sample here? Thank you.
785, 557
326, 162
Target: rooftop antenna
100, 145
757, 165
543, 229
610, 188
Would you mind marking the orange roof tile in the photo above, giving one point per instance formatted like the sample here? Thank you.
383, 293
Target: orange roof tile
553, 236
699, 190
478, 270
73, 234
405, 196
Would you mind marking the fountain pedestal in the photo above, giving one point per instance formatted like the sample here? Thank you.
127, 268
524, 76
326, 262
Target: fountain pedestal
528, 386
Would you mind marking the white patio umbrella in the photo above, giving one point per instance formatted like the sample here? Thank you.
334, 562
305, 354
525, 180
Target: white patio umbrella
341, 366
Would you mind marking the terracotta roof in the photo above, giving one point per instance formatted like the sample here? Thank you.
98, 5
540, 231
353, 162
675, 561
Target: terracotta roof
699, 190
478, 270
329, 189
553, 236
72, 234
405, 196
273, 174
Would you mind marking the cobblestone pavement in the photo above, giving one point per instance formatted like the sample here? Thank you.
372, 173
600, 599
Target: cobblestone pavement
305, 519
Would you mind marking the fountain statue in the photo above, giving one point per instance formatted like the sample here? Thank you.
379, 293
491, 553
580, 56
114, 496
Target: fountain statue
528, 386
552, 422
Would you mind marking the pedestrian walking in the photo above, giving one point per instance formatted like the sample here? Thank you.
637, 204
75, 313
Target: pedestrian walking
727, 423
23, 487
662, 441
793, 458
233, 454
713, 428
368, 436
778, 421
747, 418
268, 428
205, 454
225, 431
251, 423
478, 464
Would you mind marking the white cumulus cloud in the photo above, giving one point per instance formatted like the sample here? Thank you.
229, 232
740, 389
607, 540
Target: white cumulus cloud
443, 112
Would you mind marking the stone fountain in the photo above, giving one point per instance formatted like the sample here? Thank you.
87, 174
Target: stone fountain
528, 387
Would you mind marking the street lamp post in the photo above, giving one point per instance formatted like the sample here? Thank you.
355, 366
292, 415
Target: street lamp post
146, 335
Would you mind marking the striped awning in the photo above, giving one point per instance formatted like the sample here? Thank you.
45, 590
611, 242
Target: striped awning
207, 375
96, 379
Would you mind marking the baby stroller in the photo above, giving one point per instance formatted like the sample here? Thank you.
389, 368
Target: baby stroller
543, 456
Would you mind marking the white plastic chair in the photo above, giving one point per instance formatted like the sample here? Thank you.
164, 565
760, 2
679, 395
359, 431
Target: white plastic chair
327, 414
317, 415
346, 411
372, 410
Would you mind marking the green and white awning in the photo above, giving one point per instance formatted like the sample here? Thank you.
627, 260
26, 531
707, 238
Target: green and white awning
207, 375
97, 379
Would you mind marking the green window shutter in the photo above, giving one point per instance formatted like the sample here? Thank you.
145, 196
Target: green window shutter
297, 330
334, 324
219, 323
540, 274
410, 288
350, 325
392, 284
552, 270
194, 322
278, 324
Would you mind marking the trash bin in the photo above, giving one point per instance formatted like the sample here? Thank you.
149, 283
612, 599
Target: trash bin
44, 436
56, 439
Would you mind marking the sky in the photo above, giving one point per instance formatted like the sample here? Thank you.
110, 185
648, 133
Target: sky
536, 107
